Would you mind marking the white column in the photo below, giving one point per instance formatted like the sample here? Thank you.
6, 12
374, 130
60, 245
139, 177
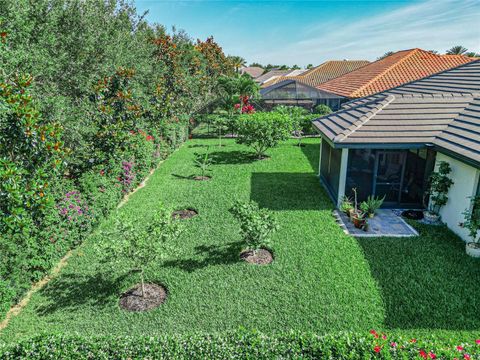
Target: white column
343, 176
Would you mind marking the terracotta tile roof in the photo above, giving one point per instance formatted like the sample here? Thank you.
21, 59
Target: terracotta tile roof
322, 73
392, 71
441, 110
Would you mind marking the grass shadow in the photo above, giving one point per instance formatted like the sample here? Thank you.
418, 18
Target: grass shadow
288, 191
198, 146
231, 157
209, 255
312, 153
427, 281
183, 177
72, 291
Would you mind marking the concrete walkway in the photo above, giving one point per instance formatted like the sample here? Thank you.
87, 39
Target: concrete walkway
385, 223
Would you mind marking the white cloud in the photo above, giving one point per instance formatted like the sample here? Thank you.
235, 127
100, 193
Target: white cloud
432, 24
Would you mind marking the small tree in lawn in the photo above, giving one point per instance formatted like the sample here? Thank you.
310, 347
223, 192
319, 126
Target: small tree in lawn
256, 225
221, 121
203, 162
263, 130
138, 245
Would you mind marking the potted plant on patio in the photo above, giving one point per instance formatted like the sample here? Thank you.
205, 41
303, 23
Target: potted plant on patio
371, 205
357, 216
437, 194
472, 224
346, 205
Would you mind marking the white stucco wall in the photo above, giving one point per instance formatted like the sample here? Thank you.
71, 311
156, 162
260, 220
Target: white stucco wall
466, 180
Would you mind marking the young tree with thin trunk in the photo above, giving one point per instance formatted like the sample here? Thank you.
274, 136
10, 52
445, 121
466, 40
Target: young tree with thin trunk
139, 245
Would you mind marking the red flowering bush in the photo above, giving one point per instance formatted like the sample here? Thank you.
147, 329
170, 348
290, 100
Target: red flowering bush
385, 346
244, 105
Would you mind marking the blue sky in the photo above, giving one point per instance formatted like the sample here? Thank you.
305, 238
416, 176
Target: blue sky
303, 32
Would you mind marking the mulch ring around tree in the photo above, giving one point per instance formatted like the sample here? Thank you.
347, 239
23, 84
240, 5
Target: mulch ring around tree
259, 257
184, 213
201, 178
154, 296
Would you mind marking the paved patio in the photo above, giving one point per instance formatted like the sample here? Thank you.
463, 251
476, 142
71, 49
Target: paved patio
385, 223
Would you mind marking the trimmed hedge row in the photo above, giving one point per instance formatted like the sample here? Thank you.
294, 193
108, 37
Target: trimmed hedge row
242, 345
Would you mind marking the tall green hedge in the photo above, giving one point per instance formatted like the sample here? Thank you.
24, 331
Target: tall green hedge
91, 98
243, 345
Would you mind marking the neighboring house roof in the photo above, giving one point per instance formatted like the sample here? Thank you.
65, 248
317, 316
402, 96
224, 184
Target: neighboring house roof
275, 74
442, 110
327, 71
270, 74
253, 71
392, 71
296, 72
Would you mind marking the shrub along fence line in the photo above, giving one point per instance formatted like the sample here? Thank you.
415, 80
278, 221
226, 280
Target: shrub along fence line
244, 344
82, 204
83, 122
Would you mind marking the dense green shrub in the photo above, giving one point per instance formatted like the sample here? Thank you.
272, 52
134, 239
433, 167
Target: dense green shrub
256, 225
322, 110
244, 345
263, 130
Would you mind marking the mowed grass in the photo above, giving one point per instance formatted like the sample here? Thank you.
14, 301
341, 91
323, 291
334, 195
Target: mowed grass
321, 280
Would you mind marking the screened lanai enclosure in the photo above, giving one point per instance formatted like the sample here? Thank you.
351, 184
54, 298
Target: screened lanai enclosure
400, 175
294, 92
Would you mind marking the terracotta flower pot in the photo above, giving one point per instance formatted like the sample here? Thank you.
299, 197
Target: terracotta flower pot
358, 220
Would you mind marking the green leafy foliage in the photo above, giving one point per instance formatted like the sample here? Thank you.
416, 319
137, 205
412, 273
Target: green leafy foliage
371, 205
263, 130
203, 162
244, 345
472, 218
346, 204
438, 185
141, 246
257, 225
322, 110
297, 116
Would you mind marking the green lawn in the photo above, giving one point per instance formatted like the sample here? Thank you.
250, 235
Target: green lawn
321, 279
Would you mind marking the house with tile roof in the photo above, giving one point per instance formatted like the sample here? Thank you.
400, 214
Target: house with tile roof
270, 75
391, 71
387, 144
253, 71
301, 89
